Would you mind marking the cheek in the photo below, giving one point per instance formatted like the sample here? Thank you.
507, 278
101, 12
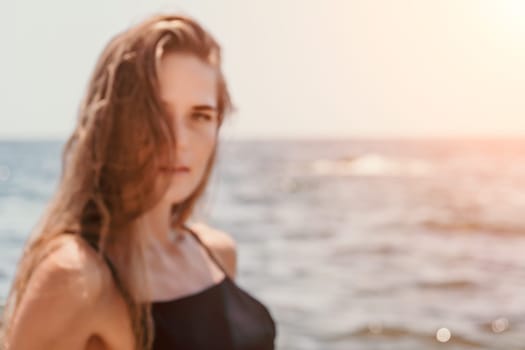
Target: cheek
206, 145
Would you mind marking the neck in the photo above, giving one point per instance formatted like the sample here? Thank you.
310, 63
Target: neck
156, 225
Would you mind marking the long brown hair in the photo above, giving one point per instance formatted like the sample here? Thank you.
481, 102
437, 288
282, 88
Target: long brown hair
109, 164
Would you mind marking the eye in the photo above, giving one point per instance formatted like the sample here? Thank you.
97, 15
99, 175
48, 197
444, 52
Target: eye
203, 116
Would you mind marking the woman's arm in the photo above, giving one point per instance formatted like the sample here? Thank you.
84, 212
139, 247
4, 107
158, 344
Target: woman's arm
58, 308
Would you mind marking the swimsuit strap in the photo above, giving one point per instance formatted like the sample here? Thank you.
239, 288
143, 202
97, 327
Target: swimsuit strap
208, 250
92, 241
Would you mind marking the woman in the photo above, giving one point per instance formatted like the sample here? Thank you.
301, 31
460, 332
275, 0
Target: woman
114, 263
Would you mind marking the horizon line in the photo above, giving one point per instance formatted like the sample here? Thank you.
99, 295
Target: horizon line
362, 137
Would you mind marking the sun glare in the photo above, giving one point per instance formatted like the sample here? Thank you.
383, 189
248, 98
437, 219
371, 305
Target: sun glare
507, 16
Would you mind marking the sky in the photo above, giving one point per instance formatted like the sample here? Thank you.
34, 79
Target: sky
296, 68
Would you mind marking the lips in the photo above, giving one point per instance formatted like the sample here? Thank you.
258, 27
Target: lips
181, 168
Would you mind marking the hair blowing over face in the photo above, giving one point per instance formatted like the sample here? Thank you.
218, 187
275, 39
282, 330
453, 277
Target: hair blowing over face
109, 163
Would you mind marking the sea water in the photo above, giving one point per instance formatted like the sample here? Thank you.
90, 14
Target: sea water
352, 244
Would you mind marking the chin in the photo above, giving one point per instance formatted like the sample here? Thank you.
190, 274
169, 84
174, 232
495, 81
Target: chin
175, 197
179, 192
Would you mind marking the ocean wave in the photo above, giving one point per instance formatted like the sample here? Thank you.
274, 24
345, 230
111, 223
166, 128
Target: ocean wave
380, 332
468, 226
370, 165
448, 285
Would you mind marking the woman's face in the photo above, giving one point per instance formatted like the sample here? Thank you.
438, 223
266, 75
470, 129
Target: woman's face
188, 88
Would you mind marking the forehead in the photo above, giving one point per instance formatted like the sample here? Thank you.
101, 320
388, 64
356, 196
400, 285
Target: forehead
186, 80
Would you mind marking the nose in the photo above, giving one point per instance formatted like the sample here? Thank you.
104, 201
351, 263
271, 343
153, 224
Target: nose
181, 136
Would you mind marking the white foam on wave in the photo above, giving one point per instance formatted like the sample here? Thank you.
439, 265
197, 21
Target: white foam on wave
371, 165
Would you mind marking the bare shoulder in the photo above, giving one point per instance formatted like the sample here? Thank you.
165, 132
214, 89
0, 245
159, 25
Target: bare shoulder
72, 260
221, 243
60, 297
218, 238
71, 269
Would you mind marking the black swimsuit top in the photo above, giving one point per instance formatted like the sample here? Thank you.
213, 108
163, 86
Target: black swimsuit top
220, 317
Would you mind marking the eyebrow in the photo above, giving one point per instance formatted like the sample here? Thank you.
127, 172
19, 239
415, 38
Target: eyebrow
201, 107
205, 108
